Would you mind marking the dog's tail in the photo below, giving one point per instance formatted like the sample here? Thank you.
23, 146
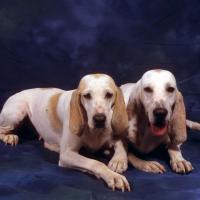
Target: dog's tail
193, 125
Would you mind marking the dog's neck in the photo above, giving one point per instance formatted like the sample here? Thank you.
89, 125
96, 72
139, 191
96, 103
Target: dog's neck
95, 138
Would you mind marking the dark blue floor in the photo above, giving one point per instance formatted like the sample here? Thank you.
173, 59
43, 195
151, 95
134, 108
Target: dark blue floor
28, 171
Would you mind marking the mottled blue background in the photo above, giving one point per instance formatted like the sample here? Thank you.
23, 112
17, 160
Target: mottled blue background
47, 43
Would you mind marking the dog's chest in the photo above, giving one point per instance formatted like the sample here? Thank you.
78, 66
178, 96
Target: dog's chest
95, 140
145, 142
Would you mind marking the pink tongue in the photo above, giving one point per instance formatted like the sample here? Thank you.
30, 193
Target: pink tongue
157, 131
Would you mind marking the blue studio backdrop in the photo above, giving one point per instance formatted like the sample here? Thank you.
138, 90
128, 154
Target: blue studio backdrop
50, 43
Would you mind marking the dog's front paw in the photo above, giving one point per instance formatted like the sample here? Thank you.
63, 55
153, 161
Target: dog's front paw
118, 164
117, 181
181, 166
11, 139
151, 167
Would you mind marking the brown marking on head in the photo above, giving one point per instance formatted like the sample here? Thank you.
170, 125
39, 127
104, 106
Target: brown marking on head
46, 88
158, 70
178, 132
97, 75
54, 119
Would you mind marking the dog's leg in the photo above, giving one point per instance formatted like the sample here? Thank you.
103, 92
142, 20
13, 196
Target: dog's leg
13, 112
74, 160
146, 166
177, 162
52, 147
119, 161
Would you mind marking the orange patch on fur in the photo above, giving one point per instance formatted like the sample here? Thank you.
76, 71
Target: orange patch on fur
46, 88
52, 113
52, 147
97, 75
158, 70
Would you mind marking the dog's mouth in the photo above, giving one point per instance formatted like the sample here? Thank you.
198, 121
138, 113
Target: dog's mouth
158, 130
99, 125
159, 124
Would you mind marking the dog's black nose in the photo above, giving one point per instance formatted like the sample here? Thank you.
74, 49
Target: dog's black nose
160, 112
99, 120
160, 115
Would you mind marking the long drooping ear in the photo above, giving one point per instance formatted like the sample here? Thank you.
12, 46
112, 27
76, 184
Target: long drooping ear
77, 114
136, 114
178, 132
120, 117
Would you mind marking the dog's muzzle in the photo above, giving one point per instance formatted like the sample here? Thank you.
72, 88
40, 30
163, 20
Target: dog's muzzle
159, 126
99, 120
160, 116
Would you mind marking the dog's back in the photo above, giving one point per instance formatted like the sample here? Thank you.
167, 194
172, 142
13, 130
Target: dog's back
43, 106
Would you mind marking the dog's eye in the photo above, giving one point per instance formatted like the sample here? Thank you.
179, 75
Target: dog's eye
108, 95
148, 89
170, 89
87, 96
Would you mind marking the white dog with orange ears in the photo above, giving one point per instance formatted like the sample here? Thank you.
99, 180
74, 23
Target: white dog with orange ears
89, 117
157, 117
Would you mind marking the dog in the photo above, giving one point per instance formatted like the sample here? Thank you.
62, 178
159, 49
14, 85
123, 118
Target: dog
156, 113
91, 116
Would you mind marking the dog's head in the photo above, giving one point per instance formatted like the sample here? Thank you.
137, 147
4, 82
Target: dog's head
163, 104
98, 104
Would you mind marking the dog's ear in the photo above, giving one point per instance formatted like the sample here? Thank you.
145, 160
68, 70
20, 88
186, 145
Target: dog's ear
77, 118
178, 132
120, 116
136, 112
